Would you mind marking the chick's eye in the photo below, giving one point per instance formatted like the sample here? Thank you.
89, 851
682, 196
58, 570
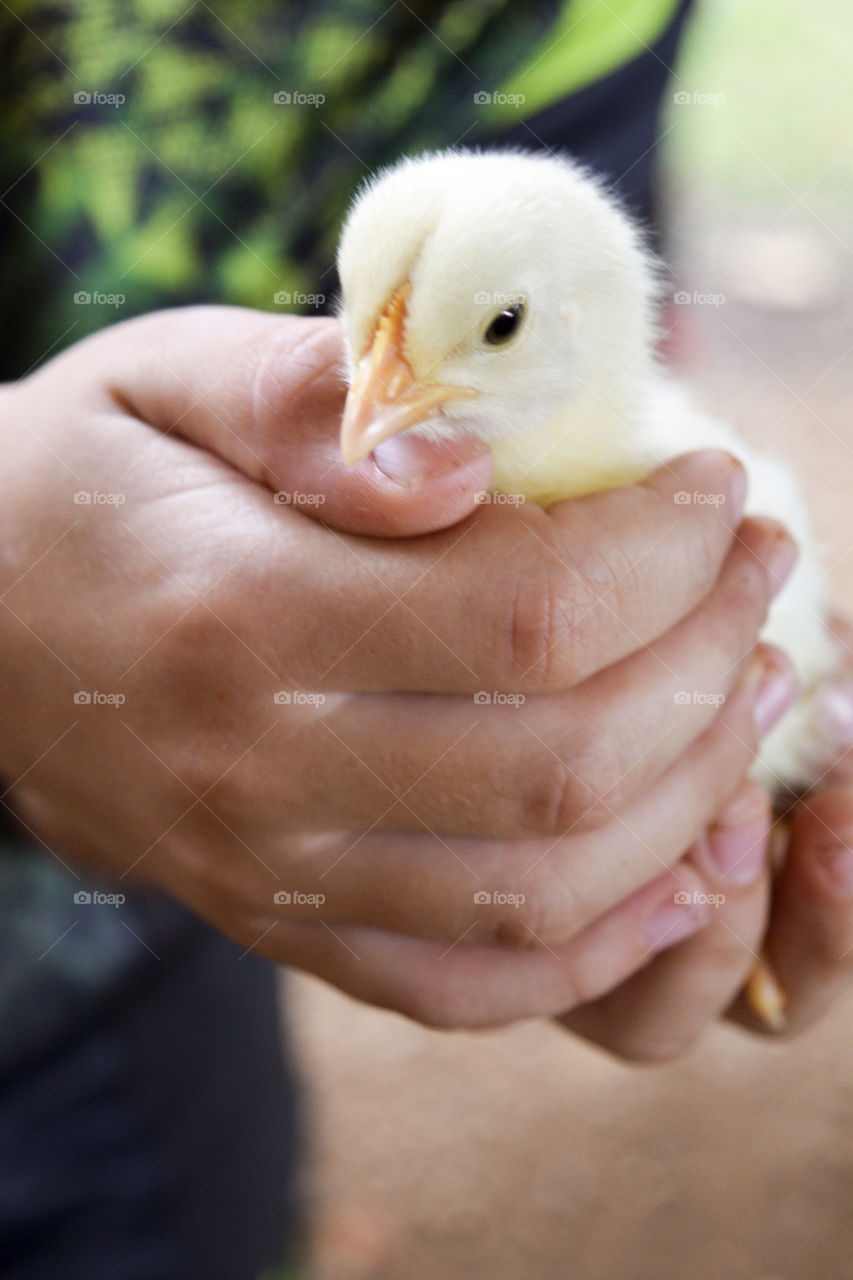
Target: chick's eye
505, 324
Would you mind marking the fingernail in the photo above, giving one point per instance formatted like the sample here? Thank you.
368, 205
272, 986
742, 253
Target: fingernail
677, 918
775, 680
779, 555
735, 845
408, 459
835, 860
748, 802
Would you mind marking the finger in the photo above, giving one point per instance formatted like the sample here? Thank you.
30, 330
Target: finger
513, 601
835, 710
810, 939
265, 393
479, 986
537, 893
660, 1011
539, 765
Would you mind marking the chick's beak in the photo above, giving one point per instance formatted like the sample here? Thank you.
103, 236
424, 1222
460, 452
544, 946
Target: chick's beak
384, 397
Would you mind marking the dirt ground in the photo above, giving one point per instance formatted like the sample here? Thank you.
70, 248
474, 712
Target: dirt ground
525, 1155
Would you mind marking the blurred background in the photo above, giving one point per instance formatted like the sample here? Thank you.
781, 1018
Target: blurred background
523, 1154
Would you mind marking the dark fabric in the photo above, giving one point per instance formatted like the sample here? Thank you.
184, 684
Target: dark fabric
161, 1142
67, 951
144, 161
613, 125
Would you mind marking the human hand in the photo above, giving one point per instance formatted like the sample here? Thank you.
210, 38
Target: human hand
809, 941
398, 797
805, 928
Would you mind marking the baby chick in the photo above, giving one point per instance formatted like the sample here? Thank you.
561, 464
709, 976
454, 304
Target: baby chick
507, 296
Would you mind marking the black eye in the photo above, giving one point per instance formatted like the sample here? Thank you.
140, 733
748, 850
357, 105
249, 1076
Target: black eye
505, 324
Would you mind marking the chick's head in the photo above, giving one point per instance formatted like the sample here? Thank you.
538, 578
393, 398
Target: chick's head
483, 293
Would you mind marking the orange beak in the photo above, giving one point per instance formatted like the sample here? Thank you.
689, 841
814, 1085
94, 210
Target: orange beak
384, 398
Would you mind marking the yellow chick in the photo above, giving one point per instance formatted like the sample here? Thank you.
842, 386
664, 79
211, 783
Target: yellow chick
508, 296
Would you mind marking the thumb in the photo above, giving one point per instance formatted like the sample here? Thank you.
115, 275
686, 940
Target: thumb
266, 393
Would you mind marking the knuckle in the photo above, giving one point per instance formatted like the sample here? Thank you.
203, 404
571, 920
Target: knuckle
541, 636
602, 776
543, 914
283, 369
743, 600
199, 629
559, 798
206, 601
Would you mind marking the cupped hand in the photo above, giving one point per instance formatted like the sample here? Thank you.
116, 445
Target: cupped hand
230, 669
800, 922
809, 941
